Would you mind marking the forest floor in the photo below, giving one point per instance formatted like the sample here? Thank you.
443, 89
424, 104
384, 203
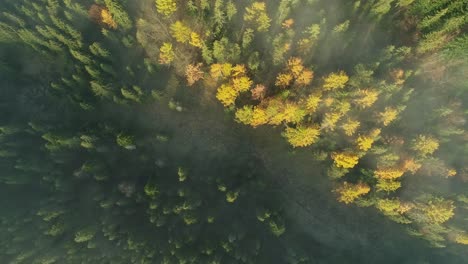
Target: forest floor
341, 232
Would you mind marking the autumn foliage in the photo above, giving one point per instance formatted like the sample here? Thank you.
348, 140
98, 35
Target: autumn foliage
346, 160
102, 16
193, 73
348, 192
301, 136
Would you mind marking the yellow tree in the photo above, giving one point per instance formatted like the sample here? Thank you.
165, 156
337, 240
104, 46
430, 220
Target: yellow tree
242, 84
107, 19
365, 142
389, 173
302, 136
295, 66
166, 7
366, 98
283, 80
288, 23
388, 115
411, 165
181, 32
218, 71
193, 73
350, 127
305, 77
166, 53
439, 210
461, 238
312, 102
227, 95
244, 115
239, 70
387, 185
329, 120
259, 117
348, 192
195, 40
346, 160
292, 113
425, 145
335, 81
257, 16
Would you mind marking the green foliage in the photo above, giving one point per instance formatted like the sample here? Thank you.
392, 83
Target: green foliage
119, 14
225, 51
84, 235
125, 141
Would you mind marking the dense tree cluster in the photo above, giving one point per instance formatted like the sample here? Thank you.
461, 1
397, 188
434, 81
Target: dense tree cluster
363, 102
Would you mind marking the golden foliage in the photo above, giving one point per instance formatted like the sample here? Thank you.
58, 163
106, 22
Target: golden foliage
288, 23
329, 120
411, 165
451, 173
328, 101
350, 127
241, 84
389, 173
365, 142
239, 70
349, 192
218, 71
295, 66
193, 73
313, 102
283, 80
335, 81
388, 115
259, 117
166, 54
346, 160
302, 136
227, 69
425, 145
398, 76
295, 71
461, 238
166, 7
195, 40
305, 77
274, 108
292, 113
107, 19
342, 107
102, 16
366, 98
227, 95
181, 32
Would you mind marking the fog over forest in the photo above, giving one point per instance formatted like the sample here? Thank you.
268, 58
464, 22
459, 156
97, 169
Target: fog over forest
224, 131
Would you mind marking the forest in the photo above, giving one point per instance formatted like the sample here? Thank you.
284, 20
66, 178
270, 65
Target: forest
223, 131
